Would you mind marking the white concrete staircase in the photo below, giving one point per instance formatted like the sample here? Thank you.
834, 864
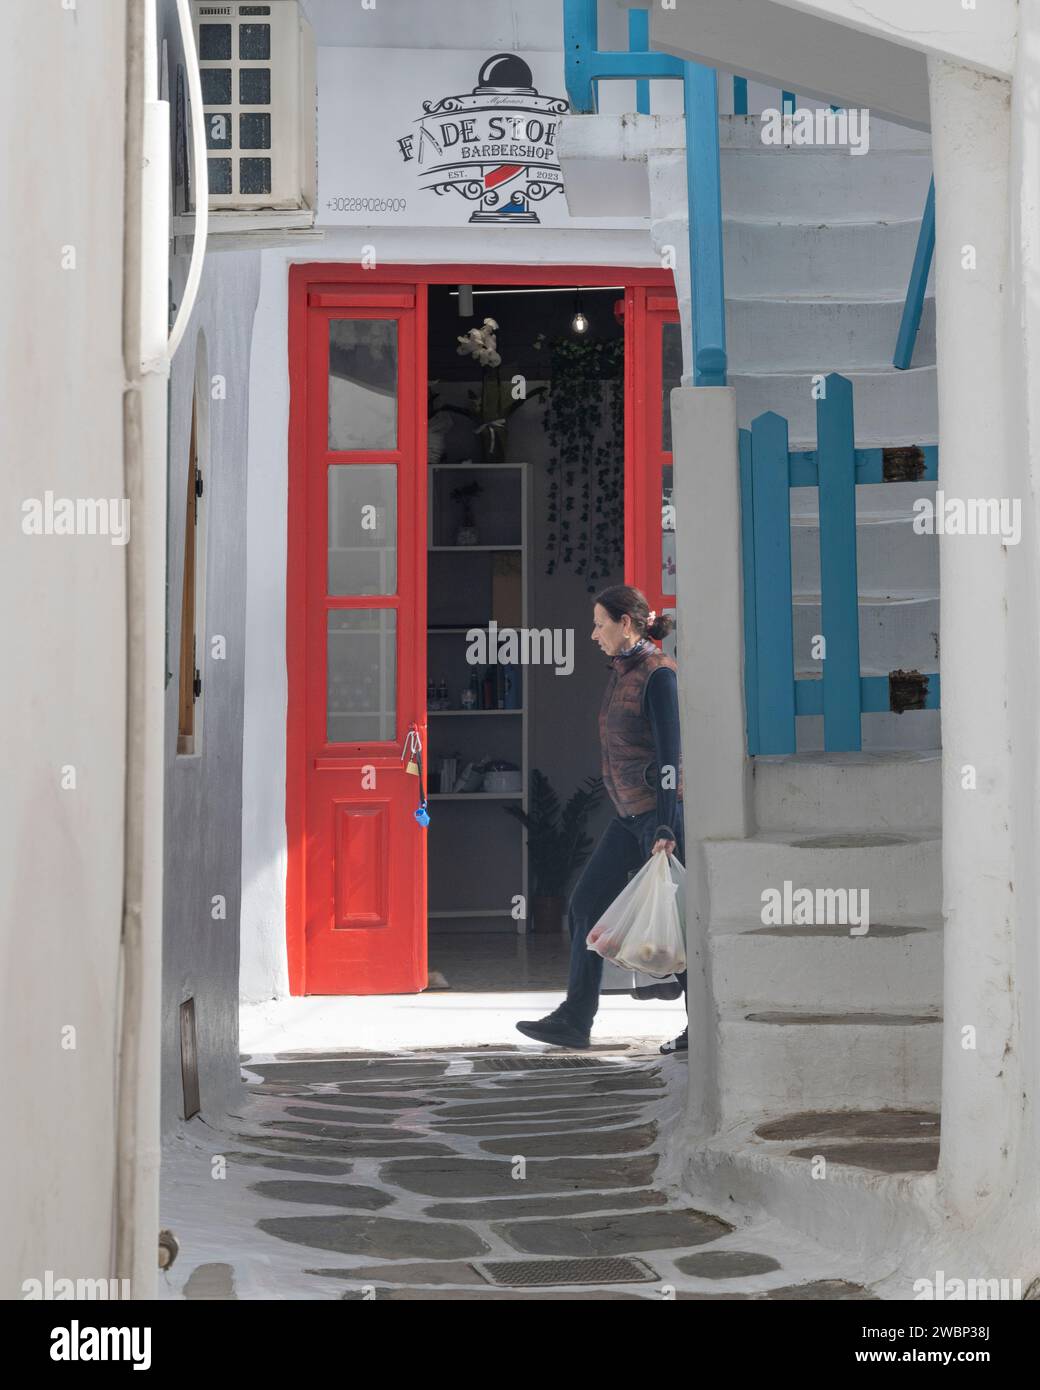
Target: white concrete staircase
828, 1042
817, 1017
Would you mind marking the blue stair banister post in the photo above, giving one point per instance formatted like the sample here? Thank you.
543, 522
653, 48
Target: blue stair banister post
580, 29
704, 194
584, 66
747, 552
915, 291
639, 42
740, 96
771, 489
836, 463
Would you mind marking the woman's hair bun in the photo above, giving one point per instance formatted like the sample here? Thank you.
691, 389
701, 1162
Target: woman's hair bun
661, 626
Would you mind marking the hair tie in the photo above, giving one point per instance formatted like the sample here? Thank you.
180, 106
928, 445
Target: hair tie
651, 616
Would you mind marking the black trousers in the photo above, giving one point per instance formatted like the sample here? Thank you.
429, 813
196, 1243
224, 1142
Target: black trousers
624, 847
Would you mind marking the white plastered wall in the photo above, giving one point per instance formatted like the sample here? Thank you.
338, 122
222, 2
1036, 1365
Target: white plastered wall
64, 620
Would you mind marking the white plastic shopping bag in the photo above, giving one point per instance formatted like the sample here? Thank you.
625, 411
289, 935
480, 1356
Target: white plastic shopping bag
643, 928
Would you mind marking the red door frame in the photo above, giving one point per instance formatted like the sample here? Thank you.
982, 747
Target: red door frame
645, 458
317, 283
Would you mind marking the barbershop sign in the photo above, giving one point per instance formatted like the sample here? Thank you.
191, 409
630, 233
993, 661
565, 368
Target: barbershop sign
442, 138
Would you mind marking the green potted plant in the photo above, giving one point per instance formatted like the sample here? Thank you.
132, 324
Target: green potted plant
557, 843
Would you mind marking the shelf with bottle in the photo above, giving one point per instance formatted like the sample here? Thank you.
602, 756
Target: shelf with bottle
493, 690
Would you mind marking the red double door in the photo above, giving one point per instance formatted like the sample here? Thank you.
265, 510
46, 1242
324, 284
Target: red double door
356, 598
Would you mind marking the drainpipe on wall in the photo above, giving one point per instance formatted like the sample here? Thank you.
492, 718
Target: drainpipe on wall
148, 347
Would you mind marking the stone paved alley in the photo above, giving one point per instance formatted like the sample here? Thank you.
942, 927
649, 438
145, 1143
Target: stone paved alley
497, 1173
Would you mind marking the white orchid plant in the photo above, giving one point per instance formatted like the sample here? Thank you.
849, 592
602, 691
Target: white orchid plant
491, 406
482, 344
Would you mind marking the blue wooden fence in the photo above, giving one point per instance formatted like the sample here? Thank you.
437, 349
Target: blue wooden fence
768, 471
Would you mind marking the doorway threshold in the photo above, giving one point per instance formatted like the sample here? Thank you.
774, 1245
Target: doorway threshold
387, 1022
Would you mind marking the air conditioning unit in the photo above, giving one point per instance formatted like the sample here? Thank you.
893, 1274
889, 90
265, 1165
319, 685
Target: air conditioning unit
257, 63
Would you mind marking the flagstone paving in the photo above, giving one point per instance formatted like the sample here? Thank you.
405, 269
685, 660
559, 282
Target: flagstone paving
463, 1175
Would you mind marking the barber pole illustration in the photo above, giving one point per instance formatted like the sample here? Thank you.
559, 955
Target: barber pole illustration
496, 146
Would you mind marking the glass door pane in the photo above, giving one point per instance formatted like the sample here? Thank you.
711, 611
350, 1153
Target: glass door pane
362, 528
361, 692
363, 384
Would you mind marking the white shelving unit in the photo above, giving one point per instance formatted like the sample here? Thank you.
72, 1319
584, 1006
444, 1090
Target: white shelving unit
507, 728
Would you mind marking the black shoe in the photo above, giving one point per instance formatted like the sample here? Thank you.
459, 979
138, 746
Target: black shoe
679, 1044
556, 1029
671, 989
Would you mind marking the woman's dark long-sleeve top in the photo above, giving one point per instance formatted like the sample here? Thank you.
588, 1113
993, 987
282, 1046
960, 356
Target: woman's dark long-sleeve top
661, 707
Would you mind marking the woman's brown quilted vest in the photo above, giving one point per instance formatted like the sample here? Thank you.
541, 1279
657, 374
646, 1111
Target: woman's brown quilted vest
630, 772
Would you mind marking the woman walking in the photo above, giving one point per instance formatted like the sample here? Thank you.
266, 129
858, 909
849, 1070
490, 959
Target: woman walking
642, 773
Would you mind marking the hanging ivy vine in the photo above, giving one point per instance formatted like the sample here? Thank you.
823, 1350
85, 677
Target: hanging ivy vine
585, 427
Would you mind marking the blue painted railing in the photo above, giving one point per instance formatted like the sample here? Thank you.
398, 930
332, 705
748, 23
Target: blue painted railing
915, 290
639, 42
585, 65
768, 471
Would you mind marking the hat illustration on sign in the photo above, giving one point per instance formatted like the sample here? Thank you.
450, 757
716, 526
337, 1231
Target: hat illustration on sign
505, 71
494, 146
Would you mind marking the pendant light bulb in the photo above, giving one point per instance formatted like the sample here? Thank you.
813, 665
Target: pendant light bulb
579, 323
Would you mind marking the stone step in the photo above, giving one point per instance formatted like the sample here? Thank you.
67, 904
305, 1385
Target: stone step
876, 1204
892, 559
823, 184
877, 504
775, 1062
745, 133
608, 165
848, 792
891, 407
897, 968
900, 870
763, 332
897, 634
791, 255
916, 731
